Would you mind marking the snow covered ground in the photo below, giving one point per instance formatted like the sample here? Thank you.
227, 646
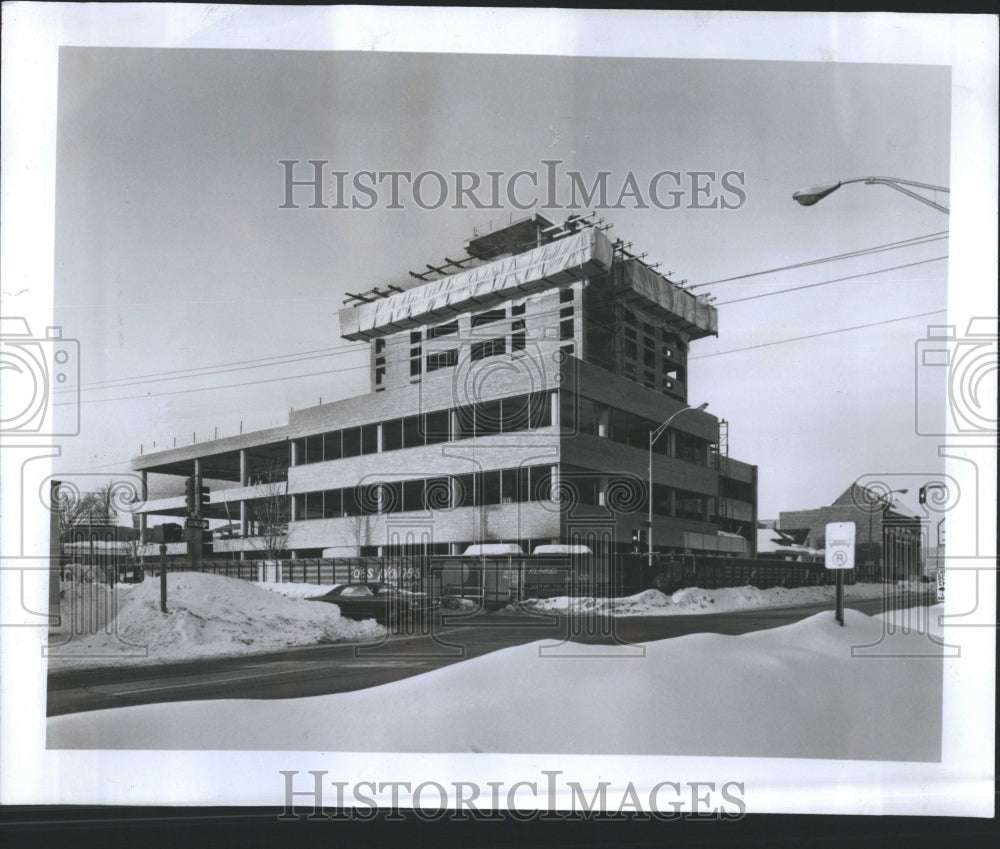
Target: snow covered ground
794, 691
212, 615
696, 600
207, 615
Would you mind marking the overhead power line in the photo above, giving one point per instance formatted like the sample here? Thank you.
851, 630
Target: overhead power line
816, 335
889, 246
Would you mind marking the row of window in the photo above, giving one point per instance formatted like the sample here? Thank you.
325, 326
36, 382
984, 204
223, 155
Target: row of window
494, 347
520, 412
448, 492
598, 419
501, 486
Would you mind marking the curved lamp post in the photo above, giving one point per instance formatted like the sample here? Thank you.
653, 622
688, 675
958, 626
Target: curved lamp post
655, 434
885, 506
814, 194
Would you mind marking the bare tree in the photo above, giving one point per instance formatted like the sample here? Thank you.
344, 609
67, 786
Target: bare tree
269, 510
88, 508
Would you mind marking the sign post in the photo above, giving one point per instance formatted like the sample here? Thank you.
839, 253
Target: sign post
840, 556
163, 578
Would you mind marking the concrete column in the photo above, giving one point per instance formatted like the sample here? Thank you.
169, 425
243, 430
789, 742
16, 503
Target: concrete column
244, 521
294, 453
244, 467
143, 518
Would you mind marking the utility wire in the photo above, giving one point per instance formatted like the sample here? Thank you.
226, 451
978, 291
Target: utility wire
913, 242
319, 353
817, 335
827, 282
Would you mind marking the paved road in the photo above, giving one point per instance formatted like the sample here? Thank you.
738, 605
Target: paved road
320, 670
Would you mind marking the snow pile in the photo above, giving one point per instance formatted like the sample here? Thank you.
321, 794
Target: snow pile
695, 600
794, 691
295, 590
206, 615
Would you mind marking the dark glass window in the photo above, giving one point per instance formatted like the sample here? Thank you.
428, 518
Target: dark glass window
332, 504
489, 416
491, 487
413, 433
631, 349
489, 348
392, 497
566, 296
413, 495
392, 435
436, 426
516, 413
380, 375
649, 358
524, 484
415, 337
465, 490
638, 432
314, 448
586, 416
441, 359
333, 445
518, 339
541, 410
415, 366
541, 483
369, 439
379, 346
314, 505
488, 317
508, 486
518, 309
466, 420
566, 329
350, 502
352, 441
619, 425
442, 330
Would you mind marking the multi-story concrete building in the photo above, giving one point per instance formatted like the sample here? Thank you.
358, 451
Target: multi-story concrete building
513, 392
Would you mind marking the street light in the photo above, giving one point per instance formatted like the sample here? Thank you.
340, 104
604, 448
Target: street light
886, 505
814, 194
655, 434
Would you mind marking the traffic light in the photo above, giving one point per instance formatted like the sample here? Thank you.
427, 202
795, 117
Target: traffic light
202, 495
191, 495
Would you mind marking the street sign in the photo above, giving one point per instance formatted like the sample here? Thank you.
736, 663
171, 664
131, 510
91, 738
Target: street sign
840, 556
840, 545
196, 524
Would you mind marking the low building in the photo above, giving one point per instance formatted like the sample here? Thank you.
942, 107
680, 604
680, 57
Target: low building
888, 540
513, 393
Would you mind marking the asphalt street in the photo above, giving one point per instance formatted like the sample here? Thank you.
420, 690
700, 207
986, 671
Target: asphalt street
449, 638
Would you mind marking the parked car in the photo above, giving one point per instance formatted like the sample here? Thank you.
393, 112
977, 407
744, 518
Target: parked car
385, 605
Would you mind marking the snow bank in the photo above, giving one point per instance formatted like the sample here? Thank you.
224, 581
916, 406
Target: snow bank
206, 615
794, 691
295, 590
696, 600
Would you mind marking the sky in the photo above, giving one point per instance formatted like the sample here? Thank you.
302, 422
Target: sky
173, 257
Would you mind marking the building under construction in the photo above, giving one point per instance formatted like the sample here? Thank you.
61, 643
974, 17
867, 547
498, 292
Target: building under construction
514, 387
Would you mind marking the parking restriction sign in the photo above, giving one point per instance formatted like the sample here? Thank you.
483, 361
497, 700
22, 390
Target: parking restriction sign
840, 556
840, 545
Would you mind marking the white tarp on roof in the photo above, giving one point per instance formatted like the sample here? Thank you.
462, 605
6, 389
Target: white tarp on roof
581, 255
659, 290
